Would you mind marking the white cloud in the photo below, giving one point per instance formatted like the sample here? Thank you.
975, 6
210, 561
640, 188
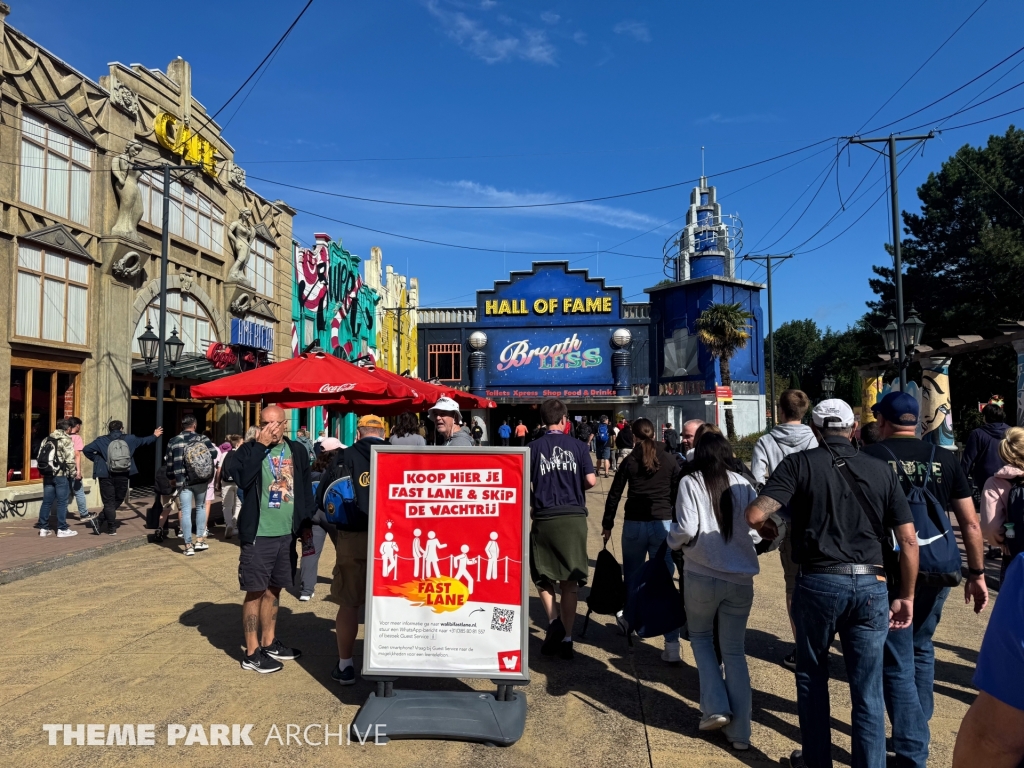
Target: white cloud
752, 117
580, 37
550, 17
471, 34
485, 4
636, 29
472, 192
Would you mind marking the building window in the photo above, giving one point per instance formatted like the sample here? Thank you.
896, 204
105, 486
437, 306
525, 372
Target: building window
55, 170
184, 314
260, 269
193, 216
39, 397
52, 300
444, 362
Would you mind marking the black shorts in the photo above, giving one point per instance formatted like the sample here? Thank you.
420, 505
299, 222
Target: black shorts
269, 562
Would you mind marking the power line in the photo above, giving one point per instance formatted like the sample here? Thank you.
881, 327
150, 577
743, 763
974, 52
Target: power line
943, 45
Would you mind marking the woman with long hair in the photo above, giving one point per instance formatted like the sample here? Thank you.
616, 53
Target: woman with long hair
720, 564
652, 476
406, 430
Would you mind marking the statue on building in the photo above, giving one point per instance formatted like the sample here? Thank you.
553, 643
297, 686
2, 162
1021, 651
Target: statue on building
126, 187
241, 233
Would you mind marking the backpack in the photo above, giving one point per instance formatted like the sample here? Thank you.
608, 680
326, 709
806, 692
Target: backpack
602, 433
938, 553
583, 433
336, 496
608, 590
1015, 518
198, 461
653, 606
46, 457
228, 467
119, 457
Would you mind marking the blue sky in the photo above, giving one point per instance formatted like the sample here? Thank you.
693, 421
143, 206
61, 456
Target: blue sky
495, 103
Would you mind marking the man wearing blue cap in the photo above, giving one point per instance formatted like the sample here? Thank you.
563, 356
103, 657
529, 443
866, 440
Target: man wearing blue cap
909, 653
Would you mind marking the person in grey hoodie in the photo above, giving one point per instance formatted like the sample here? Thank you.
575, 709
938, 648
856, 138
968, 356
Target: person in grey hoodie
789, 436
720, 565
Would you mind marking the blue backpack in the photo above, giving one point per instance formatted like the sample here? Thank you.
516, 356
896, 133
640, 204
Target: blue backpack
938, 553
339, 502
602, 433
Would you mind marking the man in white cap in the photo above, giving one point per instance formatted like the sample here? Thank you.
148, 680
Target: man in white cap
448, 422
841, 502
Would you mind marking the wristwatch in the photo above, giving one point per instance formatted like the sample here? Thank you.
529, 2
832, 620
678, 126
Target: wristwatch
976, 571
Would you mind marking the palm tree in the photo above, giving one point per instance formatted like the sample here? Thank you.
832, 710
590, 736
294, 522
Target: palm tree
722, 328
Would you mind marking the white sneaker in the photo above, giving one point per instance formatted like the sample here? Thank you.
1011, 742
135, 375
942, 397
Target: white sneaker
714, 722
66, 533
45, 532
305, 598
671, 653
189, 550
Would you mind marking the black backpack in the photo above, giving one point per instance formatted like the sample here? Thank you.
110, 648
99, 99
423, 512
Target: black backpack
607, 591
229, 467
1015, 517
653, 605
46, 458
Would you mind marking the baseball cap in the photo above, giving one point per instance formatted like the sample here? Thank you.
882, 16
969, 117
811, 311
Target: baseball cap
371, 421
331, 444
834, 413
898, 408
445, 405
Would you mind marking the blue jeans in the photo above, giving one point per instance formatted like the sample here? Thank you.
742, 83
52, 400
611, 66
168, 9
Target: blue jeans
186, 498
641, 540
857, 608
903, 704
705, 596
928, 602
58, 488
78, 487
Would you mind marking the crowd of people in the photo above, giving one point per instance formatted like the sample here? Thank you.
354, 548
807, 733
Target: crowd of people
849, 511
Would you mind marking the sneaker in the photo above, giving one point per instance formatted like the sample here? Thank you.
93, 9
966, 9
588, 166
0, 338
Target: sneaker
277, 650
261, 662
622, 624
228, 534
86, 516
740, 746
789, 662
565, 651
45, 532
201, 545
305, 598
796, 759
714, 722
66, 533
346, 676
671, 653
553, 637
189, 550
111, 531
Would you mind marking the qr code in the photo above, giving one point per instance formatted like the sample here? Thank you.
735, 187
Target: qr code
502, 619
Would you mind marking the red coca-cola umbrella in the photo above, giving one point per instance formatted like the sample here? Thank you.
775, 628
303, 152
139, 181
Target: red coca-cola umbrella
303, 379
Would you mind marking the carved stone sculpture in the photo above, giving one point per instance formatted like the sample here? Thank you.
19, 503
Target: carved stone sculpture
124, 98
236, 175
126, 186
185, 282
241, 304
241, 233
128, 266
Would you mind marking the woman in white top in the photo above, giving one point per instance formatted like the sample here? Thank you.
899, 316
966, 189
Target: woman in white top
720, 563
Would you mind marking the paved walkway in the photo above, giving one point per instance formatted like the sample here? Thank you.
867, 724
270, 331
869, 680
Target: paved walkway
149, 636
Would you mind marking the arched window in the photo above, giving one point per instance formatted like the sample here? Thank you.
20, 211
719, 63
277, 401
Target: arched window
184, 313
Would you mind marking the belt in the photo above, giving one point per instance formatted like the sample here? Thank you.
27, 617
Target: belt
847, 569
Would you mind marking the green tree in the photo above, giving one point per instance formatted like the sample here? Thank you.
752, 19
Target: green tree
722, 329
964, 260
797, 346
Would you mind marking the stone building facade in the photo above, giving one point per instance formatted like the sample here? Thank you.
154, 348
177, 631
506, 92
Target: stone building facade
80, 237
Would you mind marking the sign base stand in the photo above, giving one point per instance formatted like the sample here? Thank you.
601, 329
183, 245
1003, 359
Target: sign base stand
497, 718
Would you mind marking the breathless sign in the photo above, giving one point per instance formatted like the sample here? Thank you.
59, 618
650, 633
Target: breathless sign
447, 567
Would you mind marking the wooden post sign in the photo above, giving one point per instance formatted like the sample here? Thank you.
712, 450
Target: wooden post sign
447, 563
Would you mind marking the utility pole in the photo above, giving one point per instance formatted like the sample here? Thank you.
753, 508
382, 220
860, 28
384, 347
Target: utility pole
165, 250
897, 258
399, 311
767, 261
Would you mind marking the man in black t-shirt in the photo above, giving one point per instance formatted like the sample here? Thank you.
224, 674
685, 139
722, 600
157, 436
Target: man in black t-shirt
909, 654
561, 471
841, 586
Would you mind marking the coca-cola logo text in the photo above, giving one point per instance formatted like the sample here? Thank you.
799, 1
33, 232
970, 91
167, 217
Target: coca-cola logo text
328, 389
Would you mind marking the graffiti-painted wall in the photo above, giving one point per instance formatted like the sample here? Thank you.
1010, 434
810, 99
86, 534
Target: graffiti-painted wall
332, 308
396, 315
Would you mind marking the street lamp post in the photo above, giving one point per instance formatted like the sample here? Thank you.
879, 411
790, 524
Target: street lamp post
828, 386
901, 341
